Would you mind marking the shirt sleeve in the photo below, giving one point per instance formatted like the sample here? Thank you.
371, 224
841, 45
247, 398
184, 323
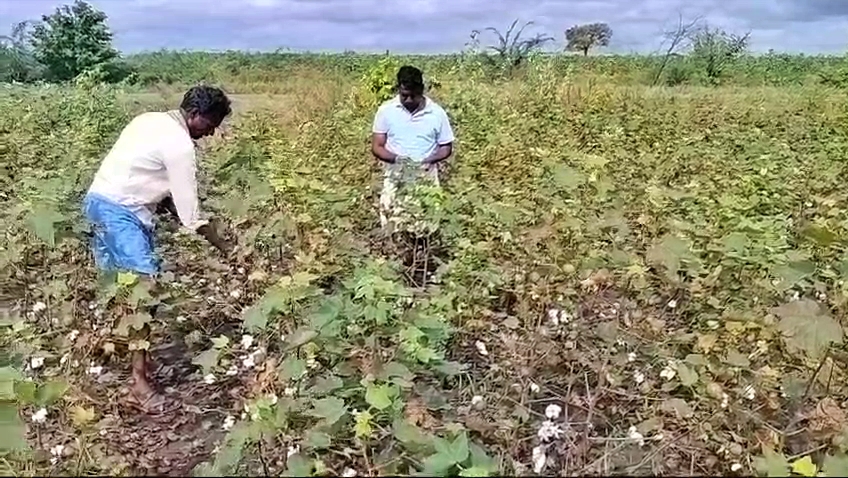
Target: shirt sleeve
445, 132
182, 170
381, 122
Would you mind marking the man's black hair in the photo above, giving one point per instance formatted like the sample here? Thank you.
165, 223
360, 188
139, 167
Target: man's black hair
411, 78
207, 101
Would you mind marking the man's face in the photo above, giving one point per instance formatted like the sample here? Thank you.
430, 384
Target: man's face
410, 99
201, 126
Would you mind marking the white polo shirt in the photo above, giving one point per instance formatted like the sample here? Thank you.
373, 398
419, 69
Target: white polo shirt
152, 158
416, 135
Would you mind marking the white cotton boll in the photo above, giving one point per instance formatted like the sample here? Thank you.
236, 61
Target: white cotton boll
95, 370
57, 450
636, 436
39, 416
725, 399
735, 467
248, 362
549, 431
246, 341
36, 362
476, 400
749, 392
349, 473
553, 316
235, 294
672, 304
181, 319
534, 387
539, 459
273, 398
64, 359
241, 270
209, 379
73, 335
232, 371
289, 391
639, 377
229, 422
481, 348
631, 357
552, 411
39, 307
668, 373
292, 451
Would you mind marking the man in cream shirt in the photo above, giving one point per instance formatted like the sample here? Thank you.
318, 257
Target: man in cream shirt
410, 126
152, 162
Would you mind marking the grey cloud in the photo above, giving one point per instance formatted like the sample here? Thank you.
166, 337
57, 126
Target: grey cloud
441, 25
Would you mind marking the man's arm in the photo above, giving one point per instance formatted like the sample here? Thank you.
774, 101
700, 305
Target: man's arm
379, 136
445, 139
182, 178
378, 148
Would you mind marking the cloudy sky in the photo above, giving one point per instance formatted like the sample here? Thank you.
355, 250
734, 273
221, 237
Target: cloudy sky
429, 26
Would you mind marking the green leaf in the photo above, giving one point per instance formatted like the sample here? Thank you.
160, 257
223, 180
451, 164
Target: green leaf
50, 392
255, 318
325, 385
299, 337
134, 321
380, 396
408, 433
42, 222
804, 467
298, 465
688, 377
330, 409
456, 450
772, 464
207, 360
126, 279
12, 429
836, 465
317, 439
567, 178
220, 342
807, 328
474, 471
362, 427
438, 464
479, 459
673, 253
8, 377
292, 368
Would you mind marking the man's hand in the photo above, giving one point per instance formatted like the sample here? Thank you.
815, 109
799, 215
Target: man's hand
209, 233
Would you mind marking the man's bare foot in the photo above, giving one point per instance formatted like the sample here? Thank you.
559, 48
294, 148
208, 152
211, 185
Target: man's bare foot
142, 396
151, 403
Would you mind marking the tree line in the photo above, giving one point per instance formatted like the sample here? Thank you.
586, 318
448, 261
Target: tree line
76, 39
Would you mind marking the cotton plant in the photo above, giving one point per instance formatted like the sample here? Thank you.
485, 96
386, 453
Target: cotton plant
416, 200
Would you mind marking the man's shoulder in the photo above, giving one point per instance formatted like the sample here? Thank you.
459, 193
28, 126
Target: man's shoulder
436, 107
387, 105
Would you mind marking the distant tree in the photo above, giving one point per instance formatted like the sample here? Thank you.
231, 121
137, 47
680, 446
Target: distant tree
584, 37
677, 39
17, 62
511, 49
713, 49
72, 40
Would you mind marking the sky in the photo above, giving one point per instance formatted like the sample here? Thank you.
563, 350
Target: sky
441, 26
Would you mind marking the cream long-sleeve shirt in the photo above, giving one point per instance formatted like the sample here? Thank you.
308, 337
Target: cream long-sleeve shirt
153, 157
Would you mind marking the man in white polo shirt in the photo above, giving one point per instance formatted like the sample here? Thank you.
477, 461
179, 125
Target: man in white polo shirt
152, 163
410, 126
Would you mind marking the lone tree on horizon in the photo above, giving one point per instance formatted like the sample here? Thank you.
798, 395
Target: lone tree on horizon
584, 37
